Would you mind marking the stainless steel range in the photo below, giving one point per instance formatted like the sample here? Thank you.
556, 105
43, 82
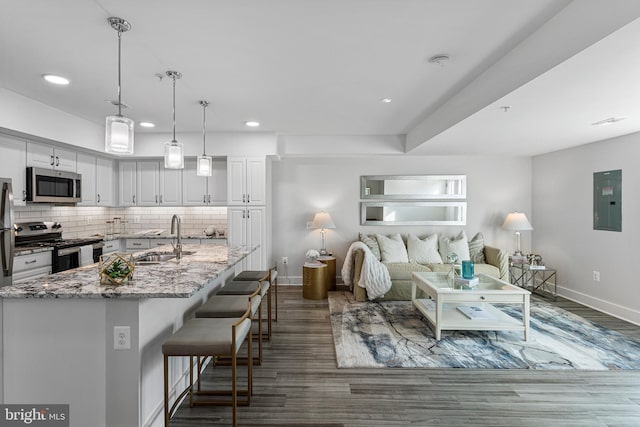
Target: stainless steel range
66, 252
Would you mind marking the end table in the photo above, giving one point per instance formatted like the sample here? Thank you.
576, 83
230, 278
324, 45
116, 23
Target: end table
330, 261
537, 279
314, 281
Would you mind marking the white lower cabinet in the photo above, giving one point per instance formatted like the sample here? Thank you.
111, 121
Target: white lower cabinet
247, 227
32, 266
111, 246
137, 244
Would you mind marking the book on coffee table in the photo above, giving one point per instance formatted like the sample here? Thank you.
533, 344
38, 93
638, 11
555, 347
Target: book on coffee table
475, 312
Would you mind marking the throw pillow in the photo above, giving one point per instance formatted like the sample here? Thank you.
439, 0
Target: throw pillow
372, 243
476, 249
423, 251
458, 245
392, 249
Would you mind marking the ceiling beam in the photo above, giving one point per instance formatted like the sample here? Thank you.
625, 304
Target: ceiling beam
574, 28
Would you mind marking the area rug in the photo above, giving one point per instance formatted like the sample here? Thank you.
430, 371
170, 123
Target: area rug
390, 334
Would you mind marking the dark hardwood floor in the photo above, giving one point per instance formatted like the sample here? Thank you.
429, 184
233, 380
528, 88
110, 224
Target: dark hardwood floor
298, 384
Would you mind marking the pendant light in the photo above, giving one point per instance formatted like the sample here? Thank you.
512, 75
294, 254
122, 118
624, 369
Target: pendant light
174, 151
118, 138
205, 163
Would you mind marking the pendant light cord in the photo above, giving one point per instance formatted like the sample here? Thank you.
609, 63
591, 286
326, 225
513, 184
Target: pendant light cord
174, 109
204, 126
119, 77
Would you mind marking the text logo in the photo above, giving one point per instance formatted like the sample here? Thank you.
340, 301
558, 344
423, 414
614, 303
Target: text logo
34, 415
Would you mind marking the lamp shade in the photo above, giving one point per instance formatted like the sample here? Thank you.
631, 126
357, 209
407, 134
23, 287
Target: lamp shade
118, 135
173, 155
204, 166
322, 220
516, 221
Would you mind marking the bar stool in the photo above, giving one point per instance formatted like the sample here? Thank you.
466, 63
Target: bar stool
248, 288
230, 306
270, 276
215, 338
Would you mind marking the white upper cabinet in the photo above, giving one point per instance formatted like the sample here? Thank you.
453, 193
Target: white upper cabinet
170, 187
48, 157
204, 190
157, 186
127, 183
13, 164
86, 165
148, 183
246, 181
105, 182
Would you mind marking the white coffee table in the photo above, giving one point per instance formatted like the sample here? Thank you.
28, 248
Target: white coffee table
443, 311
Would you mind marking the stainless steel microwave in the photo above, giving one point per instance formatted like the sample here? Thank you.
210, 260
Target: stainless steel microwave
52, 186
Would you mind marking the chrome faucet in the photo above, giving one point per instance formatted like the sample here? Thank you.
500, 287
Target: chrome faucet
175, 229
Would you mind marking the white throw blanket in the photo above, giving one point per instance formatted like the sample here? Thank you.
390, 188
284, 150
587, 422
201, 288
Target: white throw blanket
374, 276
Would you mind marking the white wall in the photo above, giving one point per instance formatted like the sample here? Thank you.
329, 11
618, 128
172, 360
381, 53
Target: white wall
563, 225
303, 186
25, 115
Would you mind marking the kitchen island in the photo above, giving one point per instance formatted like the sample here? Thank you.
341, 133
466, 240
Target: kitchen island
58, 335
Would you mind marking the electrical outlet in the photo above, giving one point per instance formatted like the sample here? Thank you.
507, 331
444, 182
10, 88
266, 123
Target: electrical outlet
89, 220
285, 260
596, 276
122, 338
136, 219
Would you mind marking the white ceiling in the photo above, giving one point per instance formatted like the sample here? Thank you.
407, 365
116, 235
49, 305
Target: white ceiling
320, 67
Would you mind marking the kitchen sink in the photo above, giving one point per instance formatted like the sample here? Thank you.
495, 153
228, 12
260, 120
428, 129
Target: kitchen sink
158, 257
154, 258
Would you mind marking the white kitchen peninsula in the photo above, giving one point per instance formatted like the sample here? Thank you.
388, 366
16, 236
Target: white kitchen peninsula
58, 336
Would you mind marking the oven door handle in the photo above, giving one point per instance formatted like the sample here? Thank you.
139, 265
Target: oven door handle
69, 251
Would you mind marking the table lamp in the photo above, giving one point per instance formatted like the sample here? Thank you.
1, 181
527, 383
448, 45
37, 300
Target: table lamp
517, 221
322, 220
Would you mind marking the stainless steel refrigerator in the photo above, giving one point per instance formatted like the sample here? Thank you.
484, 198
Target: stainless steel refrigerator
7, 238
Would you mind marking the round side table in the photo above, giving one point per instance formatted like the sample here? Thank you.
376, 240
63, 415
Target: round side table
330, 261
314, 281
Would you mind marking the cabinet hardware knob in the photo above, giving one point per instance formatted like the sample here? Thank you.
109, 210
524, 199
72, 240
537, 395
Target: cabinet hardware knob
134, 198
33, 261
98, 198
52, 160
24, 195
57, 161
482, 298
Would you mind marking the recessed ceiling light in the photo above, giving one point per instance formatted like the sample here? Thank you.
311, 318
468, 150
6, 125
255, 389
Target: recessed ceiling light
608, 121
252, 124
147, 125
385, 100
56, 80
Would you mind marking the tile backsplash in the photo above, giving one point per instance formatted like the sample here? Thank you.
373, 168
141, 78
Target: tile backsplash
87, 221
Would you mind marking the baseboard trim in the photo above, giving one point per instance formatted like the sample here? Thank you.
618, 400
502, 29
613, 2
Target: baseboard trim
623, 313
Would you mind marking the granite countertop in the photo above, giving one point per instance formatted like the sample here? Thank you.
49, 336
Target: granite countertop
160, 236
170, 279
